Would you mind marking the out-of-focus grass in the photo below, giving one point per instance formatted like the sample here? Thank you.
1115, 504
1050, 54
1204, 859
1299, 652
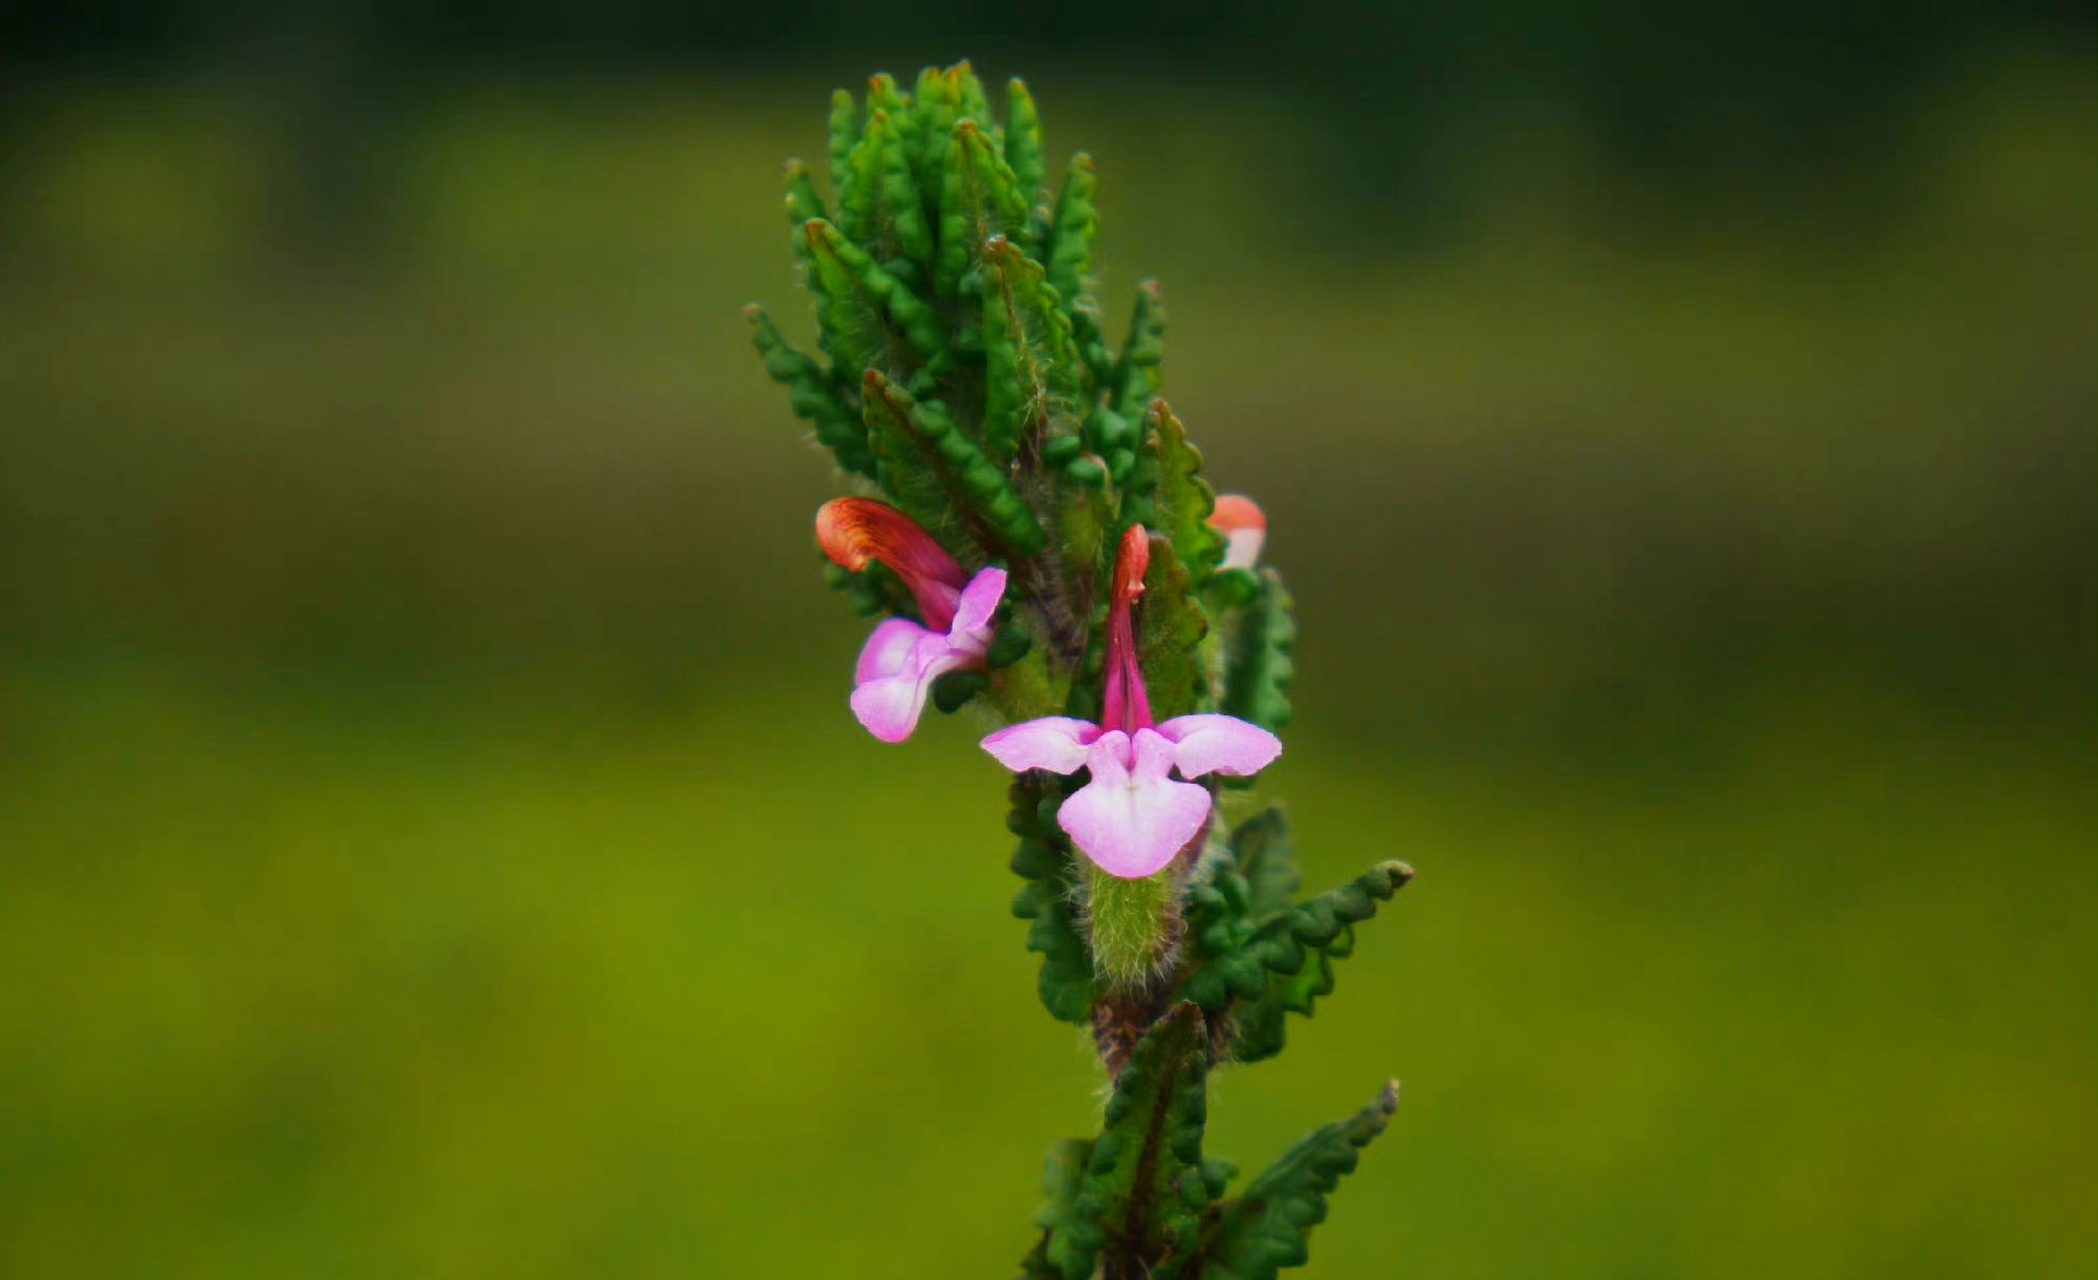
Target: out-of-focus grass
323, 988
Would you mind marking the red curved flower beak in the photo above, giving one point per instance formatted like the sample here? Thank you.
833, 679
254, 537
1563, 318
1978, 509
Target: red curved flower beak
1126, 705
854, 531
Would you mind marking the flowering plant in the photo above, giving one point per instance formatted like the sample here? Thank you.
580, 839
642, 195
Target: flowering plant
1031, 524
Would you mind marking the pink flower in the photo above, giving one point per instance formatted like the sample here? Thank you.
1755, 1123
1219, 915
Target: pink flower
902, 659
1131, 817
1244, 527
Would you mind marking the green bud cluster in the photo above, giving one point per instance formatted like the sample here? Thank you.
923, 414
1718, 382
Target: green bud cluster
965, 376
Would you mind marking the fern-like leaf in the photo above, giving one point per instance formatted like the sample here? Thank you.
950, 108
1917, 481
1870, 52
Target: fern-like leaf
1044, 859
813, 394
1287, 963
1144, 1188
1269, 1226
1260, 637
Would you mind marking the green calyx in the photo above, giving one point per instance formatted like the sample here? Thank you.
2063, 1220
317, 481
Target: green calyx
1132, 924
1268, 1226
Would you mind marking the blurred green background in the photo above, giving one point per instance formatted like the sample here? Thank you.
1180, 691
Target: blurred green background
433, 842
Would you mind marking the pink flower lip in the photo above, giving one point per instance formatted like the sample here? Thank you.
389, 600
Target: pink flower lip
901, 659
1132, 818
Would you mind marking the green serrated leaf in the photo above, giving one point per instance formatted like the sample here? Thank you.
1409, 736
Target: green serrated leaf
1037, 1266
1143, 1188
1072, 230
881, 208
1265, 853
875, 593
1287, 963
1010, 644
1044, 859
1023, 142
844, 132
940, 477
938, 106
1259, 640
1170, 625
803, 200
1238, 895
1084, 527
1138, 374
1269, 1226
1108, 432
1165, 492
970, 97
813, 394
884, 95
849, 317
980, 200
1218, 911
869, 319
1087, 472
905, 229
953, 690
857, 181
1034, 392
1062, 1178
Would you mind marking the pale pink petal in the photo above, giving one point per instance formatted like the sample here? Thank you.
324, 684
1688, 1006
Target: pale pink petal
888, 651
1242, 548
1220, 744
1244, 527
1130, 826
1111, 756
890, 707
978, 602
1055, 743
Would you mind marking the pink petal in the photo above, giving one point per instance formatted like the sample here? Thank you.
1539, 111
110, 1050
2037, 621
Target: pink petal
1055, 743
1242, 548
888, 651
1110, 757
1244, 527
979, 601
1220, 744
889, 707
1132, 826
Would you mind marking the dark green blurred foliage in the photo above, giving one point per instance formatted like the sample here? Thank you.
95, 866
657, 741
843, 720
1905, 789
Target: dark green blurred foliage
1022, 442
410, 683
1790, 88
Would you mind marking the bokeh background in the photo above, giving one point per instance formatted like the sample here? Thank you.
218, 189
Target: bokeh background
433, 842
